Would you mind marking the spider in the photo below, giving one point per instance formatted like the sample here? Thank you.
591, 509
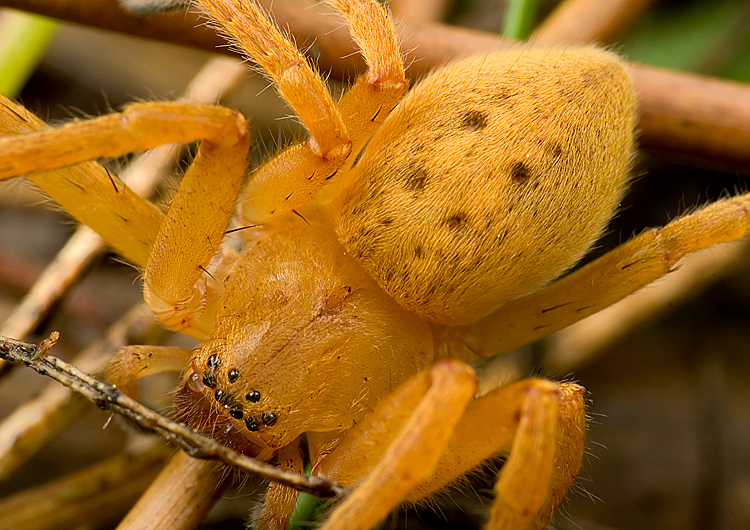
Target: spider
401, 239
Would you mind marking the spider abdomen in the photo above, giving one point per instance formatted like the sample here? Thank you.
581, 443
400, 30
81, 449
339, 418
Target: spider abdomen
491, 178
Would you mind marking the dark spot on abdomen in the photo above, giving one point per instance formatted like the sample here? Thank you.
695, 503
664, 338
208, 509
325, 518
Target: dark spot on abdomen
474, 120
455, 221
520, 173
415, 178
554, 149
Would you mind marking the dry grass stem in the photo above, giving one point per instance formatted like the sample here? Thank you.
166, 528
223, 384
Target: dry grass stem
587, 21
94, 497
713, 122
179, 497
32, 425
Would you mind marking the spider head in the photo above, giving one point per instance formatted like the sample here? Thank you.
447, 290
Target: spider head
215, 400
304, 341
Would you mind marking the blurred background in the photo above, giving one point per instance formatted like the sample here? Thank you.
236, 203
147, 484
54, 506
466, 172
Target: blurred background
669, 430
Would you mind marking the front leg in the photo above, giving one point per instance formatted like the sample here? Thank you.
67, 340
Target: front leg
397, 445
175, 256
539, 424
132, 363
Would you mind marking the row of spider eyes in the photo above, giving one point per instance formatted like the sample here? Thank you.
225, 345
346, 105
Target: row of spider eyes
267, 418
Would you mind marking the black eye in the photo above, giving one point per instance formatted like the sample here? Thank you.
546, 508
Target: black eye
221, 396
236, 413
233, 375
253, 396
209, 380
268, 418
251, 424
212, 361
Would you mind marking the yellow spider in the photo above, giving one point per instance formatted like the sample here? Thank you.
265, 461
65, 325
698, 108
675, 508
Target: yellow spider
406, 237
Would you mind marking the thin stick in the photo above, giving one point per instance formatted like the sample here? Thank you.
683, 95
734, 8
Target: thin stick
34, 423
585, 21
95, 497
719, 111
109, 397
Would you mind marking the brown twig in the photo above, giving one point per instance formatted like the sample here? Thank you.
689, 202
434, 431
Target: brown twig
310, 23
586, 21
107, 14
681, 111
94, 497
179, 498
32, 425
418, 10
714, 126
108, 397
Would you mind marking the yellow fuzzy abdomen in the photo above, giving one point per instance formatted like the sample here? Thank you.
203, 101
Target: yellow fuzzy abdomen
493, 177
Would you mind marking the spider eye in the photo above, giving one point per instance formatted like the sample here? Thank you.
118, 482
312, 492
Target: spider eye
209, 380
251, 424
212, 362
236, 413
221, 396
233, 375
253, 396
268, 418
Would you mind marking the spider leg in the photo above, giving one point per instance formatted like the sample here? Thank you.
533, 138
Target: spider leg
129, 223
280, 500
373, 95
397, 445
135, 362
540, 424
336, 131
610, 278
197, 216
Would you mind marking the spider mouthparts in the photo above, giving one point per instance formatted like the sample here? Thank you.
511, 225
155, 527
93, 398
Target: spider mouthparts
194, 382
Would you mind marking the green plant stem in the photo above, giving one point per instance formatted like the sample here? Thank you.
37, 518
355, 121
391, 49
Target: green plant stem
520, 19
304, 516
23, 39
